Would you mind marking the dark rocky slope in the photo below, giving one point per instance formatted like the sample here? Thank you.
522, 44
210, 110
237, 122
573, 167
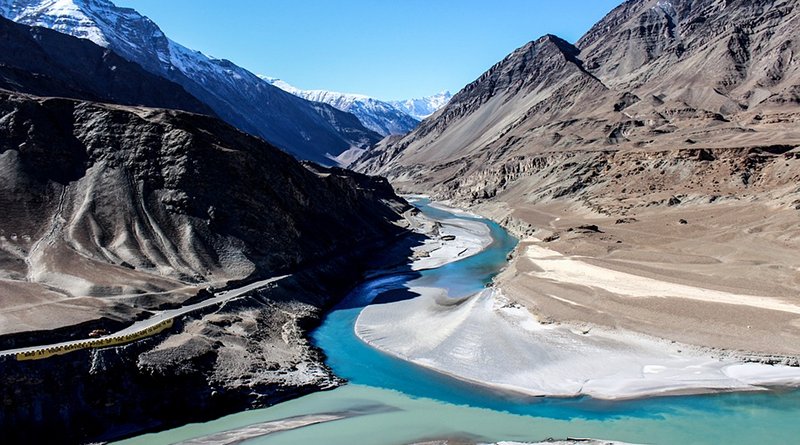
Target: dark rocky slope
47, 63
112, 212
107, 200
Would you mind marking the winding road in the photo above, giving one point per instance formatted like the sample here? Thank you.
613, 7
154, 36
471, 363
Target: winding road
140, 329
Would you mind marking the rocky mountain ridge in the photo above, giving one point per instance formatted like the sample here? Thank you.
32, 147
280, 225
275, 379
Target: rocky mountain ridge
652, 77
308, 131
43, 62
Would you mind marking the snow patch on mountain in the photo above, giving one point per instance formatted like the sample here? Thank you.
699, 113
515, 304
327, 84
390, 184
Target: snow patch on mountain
423, 107
60, 15
377, 115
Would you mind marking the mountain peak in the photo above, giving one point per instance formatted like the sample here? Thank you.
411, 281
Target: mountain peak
95, 20
48, 63
539, 64
562, 45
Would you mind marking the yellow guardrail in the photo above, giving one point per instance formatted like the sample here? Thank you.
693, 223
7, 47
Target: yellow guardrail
39, 354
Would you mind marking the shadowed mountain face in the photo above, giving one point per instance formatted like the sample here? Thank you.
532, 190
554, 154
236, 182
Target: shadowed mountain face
106, 200
307, 131
47, 63
651, 77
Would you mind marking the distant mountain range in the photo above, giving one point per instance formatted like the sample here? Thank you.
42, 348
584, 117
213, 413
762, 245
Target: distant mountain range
312, 131
377, 115
423, 107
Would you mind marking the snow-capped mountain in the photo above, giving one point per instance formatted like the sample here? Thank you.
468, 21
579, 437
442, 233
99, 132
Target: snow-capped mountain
377, 115
307, 130
423, 107
47, 63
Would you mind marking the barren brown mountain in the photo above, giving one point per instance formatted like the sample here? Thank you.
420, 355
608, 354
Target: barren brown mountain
672, 126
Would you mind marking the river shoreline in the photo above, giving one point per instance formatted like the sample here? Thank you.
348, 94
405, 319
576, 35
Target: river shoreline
246, 353
396, 402
620, 364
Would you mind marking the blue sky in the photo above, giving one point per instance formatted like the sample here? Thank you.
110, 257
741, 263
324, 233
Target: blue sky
390, 49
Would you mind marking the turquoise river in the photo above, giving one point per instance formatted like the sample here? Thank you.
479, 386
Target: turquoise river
390, 402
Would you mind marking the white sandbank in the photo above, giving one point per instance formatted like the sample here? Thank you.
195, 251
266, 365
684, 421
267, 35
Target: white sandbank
486, 340
453, 210
449, 240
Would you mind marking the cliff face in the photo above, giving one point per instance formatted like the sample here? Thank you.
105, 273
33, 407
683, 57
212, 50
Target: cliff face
652, 79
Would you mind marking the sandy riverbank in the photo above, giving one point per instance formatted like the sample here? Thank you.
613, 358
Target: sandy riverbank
448, 240
486, 339
723, 276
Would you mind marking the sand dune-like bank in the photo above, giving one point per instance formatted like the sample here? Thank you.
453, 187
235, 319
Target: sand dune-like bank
453, 240
487, 340
449, 239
